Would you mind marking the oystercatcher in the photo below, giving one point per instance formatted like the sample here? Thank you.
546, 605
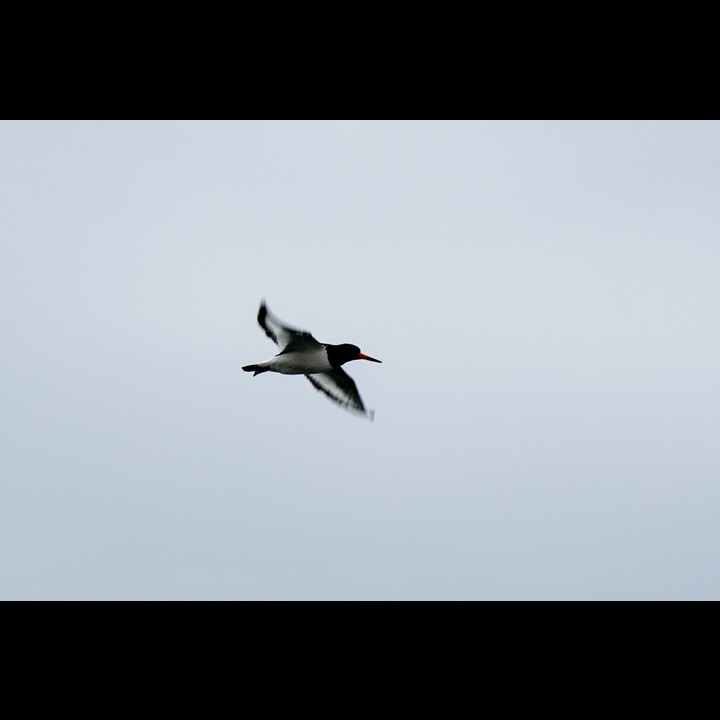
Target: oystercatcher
301, 354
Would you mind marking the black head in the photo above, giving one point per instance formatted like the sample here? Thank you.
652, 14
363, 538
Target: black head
340, 354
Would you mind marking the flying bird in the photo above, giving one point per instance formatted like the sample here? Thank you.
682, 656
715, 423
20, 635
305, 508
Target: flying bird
301, 354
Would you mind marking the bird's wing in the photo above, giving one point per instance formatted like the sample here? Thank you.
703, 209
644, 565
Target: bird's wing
341, 388
288, 339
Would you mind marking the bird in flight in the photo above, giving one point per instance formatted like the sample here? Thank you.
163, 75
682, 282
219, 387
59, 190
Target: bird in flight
301, 354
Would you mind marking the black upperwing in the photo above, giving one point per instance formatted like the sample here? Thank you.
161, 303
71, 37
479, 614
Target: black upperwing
288, 339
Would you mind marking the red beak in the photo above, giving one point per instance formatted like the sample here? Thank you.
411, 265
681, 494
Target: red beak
362, 356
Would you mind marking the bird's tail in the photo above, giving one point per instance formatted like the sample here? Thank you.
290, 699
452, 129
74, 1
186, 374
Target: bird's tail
254, 369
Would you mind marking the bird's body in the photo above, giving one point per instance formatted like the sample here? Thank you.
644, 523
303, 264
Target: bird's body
297, 363
313, 357
301, 354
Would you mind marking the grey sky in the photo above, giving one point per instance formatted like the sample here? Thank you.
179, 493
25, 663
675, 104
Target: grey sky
545, 298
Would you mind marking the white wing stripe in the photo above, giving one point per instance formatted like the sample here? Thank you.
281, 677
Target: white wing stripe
340, 387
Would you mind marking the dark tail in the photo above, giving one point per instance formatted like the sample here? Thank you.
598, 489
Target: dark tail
254, 369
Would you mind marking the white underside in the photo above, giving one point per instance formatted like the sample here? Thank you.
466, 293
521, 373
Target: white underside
298, 363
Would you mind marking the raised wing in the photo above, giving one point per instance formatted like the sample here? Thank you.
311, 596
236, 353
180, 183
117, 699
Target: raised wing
287, 338
341, 388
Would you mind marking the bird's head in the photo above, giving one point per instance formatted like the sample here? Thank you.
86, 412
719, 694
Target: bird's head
340, 354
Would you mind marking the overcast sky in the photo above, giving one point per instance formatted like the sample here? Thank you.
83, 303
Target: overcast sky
544, 296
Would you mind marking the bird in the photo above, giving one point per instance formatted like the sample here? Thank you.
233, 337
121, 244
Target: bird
301, 354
